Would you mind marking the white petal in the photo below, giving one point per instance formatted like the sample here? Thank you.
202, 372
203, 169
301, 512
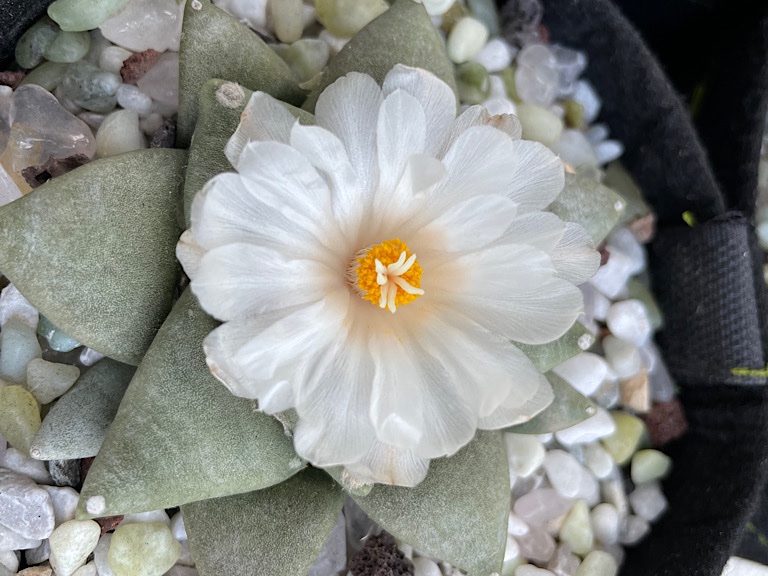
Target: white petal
189, 253
542, 230
512, 411
349, 108
263, 118
239, 280
397, 389
388, 465
537, 177
435, 96
574, 256
479, 116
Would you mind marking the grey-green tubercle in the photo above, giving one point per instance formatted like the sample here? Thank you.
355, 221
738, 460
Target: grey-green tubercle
179, 435
76, 425
94, 250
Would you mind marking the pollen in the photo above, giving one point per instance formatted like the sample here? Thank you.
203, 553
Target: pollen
387, 275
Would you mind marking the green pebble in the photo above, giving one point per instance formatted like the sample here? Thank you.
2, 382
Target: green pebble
576, 530
473, 82
648, 465
57, 339
625, 440
48, 75
35, 41
79, 15
146, 549
68, 47
574, 114
306, 57
508, 76
345, 18
539, 124
598, 563
91, 88
19, 417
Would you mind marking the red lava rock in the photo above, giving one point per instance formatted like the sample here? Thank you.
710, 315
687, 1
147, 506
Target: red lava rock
39, 175
380, 557
666, 422
109, 523
136, 65
643, 228
604, 254
12, 79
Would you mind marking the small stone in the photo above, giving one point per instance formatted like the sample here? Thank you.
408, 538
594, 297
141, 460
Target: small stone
90, 87
634, 529
643, 228
71, 544
608, 393
531, 570
12, 303
614, 493
574, 114
569, 64
629, 320
495, 55
286, 19
109, 523
564, 472
598, 563
437, 7
611, 278
593, 428
525, 453
34, 42
608, 151
179, 570
575, 150
47, 75
537, 545
472, 82
77, 15
57, 339
19, 416
636, 393
666, 422
145, 24
68, 47
131, 98
539, 124
516, 526
585, 94
10, 540
65, 472
112, 59
36, 571
597, 459
87, 570
425, 567
648, 501
564, 562
152, 516
624, 357
119, 133
39, 554
137, 65
345, 18
466, 39
25, 508
522, 18
18, 347
11, 78
585, 372
16, 461
101, 556
9, 560
89, 357
589, 488
36, 176
64, 501
307, 58
164, 136
151, 123
49, 380
161, 82
145, 549
605, 523
623, 443
540, 506
576, 530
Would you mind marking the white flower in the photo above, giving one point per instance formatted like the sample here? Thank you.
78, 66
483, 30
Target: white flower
390, 203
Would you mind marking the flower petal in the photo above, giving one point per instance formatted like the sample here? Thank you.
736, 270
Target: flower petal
514, 411
479, 116
189, 253
263, 118
537, 176
435, 96
240, 280
389, 465
574, 256
542, 230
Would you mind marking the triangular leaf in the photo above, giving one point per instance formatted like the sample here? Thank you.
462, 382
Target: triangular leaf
568, 408
216, 45
94, 249
404, 34
458, 513
180, 435
590, 204
547, 356
218, 118
271, 532
77, 424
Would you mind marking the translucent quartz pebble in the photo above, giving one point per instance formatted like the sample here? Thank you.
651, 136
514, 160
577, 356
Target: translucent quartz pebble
540, 506
531, 570
516, 526
42, 128
145, 24
177, 527
119, 133
87, 570
648, 501
564, 562
252, 12
19, 416
89, 356
564, 472
662, 386
71, 544
611, 278
589, 488
495, 55
593, 428
307, 57
345, 18
18, 347
16, 462
57, 340
161, 82
9, 560
512, 556
575, 150
25, 508
597, 459
157, 516
633, 530
111, 59
90, 87
539, 124
437, 7
101, 555
467, 37
609, 392
68, 47
537, 545
64, 500
596, 133
13, 304
49, 380
536, 77
143, 550
629, 321
425, 567
624, 357
585, 94
608, 151
525, 453
10, 540
76, 15
569, 64
286, 19
623, 443
585, 372
34, 42
605, 523
598, 563
576, 530
622, 240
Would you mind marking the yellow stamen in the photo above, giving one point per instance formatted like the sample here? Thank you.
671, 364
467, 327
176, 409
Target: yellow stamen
388, 275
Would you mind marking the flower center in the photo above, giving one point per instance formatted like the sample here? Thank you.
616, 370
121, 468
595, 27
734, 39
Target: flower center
387, 275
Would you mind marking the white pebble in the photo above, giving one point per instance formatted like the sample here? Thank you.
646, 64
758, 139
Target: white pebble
17, 462
525, 453
564, 472
145, 24
466, 39
585, 94
624, 241
598, 563
540, 506
101, 556
589, 488
151, 123
633, 530
89, 356
161, 82
64, 500
614, 493
50, 380
9, 559
537, 546
425, 567
111, 58
623, 356
593, 428
516, 526
531, 570
10, 540
177, 527
178, 570
286, 19
71, 544
596, 133
12, 303
648, 501
38, 555
437, 7
132, 98
25, 508
608, 151
597, 459
585, 372
87, 570
629, 321
119, 133
605, 523
18, 347
495, 55
575, 150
